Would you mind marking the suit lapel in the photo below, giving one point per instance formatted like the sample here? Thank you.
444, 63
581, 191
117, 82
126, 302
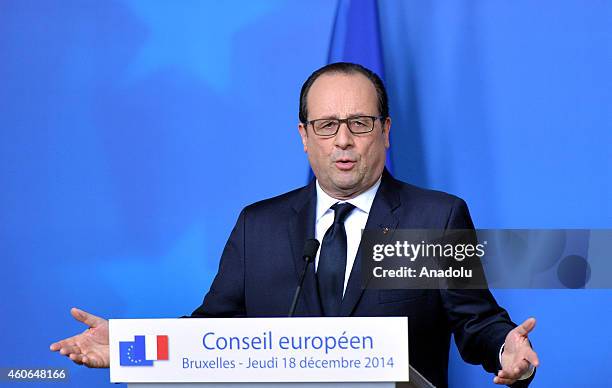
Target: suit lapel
301, 228
381, 216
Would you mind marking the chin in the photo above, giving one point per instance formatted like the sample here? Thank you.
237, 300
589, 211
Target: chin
346, 185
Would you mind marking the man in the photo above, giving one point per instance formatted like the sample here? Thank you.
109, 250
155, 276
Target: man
344, 126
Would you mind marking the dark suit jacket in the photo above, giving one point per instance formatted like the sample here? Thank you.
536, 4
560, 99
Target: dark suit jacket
261, 262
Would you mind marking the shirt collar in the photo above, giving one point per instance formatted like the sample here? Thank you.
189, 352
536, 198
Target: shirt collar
362, 202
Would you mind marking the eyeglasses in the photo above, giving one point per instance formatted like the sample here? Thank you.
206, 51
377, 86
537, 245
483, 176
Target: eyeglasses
357, 125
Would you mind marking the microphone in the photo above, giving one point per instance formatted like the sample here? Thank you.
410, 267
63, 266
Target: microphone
310, 252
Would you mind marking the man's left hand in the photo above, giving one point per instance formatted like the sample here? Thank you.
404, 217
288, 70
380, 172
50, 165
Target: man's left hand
517, 355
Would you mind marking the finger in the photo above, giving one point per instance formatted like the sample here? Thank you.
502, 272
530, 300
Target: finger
77, 358
86, 361
531, 357
91, 361
68, 350
57, 346
526, 327
503, 381
500, 381
65, 342
511, 374
85, 317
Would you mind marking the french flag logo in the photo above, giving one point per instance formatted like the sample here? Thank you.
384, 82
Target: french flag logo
143, 350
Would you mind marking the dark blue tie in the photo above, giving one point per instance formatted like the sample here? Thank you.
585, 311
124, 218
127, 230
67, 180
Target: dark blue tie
332, 262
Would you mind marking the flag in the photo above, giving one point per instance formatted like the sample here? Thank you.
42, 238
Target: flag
356, 35
143, 350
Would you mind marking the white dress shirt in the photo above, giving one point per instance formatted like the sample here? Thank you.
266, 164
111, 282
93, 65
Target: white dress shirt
354, 223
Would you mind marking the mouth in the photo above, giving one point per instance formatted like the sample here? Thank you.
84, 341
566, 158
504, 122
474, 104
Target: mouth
344, 164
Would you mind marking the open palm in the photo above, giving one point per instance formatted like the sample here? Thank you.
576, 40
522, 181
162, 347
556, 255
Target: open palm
89, 348
518, 356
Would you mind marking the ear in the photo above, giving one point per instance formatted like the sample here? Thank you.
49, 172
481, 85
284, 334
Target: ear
386, 131
304, 136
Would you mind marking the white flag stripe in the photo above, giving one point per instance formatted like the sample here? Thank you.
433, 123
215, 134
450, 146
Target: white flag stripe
151, 347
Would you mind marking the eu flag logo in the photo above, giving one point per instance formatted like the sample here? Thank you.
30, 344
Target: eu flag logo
143, 350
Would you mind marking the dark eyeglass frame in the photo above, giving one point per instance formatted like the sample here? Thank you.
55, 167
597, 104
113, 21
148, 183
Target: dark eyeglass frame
348, 125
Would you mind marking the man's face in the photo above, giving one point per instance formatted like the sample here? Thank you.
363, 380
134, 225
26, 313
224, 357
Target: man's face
345, 165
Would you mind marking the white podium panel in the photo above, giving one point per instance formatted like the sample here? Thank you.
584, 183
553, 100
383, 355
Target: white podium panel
259, 350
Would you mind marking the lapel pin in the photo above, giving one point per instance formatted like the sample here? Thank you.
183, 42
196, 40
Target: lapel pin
385, 230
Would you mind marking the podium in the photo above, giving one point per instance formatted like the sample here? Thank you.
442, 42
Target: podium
362, 352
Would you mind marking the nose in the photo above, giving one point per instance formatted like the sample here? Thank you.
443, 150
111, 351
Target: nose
344, 138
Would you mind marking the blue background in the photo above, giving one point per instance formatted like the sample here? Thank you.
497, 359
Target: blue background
133, 132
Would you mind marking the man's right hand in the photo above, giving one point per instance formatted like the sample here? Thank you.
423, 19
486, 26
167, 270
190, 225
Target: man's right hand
89, 348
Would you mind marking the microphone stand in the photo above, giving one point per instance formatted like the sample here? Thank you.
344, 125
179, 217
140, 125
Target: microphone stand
310, 251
